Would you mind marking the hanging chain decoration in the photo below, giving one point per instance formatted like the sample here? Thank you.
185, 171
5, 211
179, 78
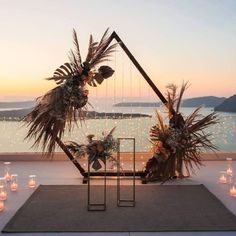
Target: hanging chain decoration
67, 102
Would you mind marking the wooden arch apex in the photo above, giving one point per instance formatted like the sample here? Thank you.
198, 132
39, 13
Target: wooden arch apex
115, 36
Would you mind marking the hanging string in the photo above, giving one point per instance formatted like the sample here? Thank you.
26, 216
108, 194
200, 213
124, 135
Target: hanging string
131, 87
140, 116
122, 81
96, 102
106, 102
115, 78
139, 87
113, 87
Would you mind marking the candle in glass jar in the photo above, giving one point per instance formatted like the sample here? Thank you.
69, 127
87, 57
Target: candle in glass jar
3, 191
229, 171
14, 182
1, 205
223, 179
32, 181
14, 187
232, 191
7, 171
3, 195
7, 177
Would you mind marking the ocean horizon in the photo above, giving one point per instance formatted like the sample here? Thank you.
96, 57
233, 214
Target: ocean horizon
223, 133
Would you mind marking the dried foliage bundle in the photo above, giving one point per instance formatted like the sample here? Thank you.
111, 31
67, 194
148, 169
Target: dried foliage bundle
179, 144
67, 102
96, 150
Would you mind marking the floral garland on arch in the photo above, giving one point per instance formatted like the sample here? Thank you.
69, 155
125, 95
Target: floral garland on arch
67, 102
177, 146
98, 151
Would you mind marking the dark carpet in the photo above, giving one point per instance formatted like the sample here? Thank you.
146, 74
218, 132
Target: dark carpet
63, 208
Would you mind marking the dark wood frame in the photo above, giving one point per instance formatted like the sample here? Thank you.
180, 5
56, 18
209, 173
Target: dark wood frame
115, 36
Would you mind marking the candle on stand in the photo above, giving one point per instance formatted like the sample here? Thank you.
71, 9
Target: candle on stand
223, 179
1, 205
14, 183
232, 191
32, 181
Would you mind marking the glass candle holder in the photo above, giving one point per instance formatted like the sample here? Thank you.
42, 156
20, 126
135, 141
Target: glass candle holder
7, 170
232, 190
230, 179
14, 182
229, 170
32, 181
222, 178
1, 205
3, 191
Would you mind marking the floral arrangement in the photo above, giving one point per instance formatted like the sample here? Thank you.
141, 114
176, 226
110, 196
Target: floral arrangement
67, 102
96, 150
177, 146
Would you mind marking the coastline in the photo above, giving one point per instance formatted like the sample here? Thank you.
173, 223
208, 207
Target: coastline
140, 156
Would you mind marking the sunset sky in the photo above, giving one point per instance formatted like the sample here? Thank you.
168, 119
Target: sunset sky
174, 41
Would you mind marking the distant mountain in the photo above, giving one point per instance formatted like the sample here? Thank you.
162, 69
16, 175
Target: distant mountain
20, 113
14, 114
208, 101
228, 105
25, 104
137, 104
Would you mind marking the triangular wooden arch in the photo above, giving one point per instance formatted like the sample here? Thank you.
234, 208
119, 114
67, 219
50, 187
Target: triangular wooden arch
115, 36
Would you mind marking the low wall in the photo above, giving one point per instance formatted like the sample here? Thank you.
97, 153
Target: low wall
140, 156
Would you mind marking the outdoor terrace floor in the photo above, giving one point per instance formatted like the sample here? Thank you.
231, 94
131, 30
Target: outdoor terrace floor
63, 172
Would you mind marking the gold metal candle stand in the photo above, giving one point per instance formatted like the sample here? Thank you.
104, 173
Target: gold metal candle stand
121, 202
100, 206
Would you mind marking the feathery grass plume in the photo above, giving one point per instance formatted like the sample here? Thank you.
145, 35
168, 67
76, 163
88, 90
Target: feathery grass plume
67, 102
179, 144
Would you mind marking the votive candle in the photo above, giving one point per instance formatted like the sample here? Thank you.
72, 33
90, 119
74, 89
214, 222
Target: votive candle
32, 181
223, 179
3, 193
14, 187
7, 177
7, 171
1, 205
229, 171
14, 183
232, 191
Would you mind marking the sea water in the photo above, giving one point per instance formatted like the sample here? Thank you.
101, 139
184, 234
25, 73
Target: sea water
12, 138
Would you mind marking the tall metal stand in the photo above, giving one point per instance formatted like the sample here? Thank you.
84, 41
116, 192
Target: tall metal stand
125, 202
97, 206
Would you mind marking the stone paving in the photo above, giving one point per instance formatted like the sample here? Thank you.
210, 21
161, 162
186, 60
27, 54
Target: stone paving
63, 172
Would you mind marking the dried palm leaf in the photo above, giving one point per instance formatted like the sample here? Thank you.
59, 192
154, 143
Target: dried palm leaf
77, 48
179, 99
67, 102
53, 111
